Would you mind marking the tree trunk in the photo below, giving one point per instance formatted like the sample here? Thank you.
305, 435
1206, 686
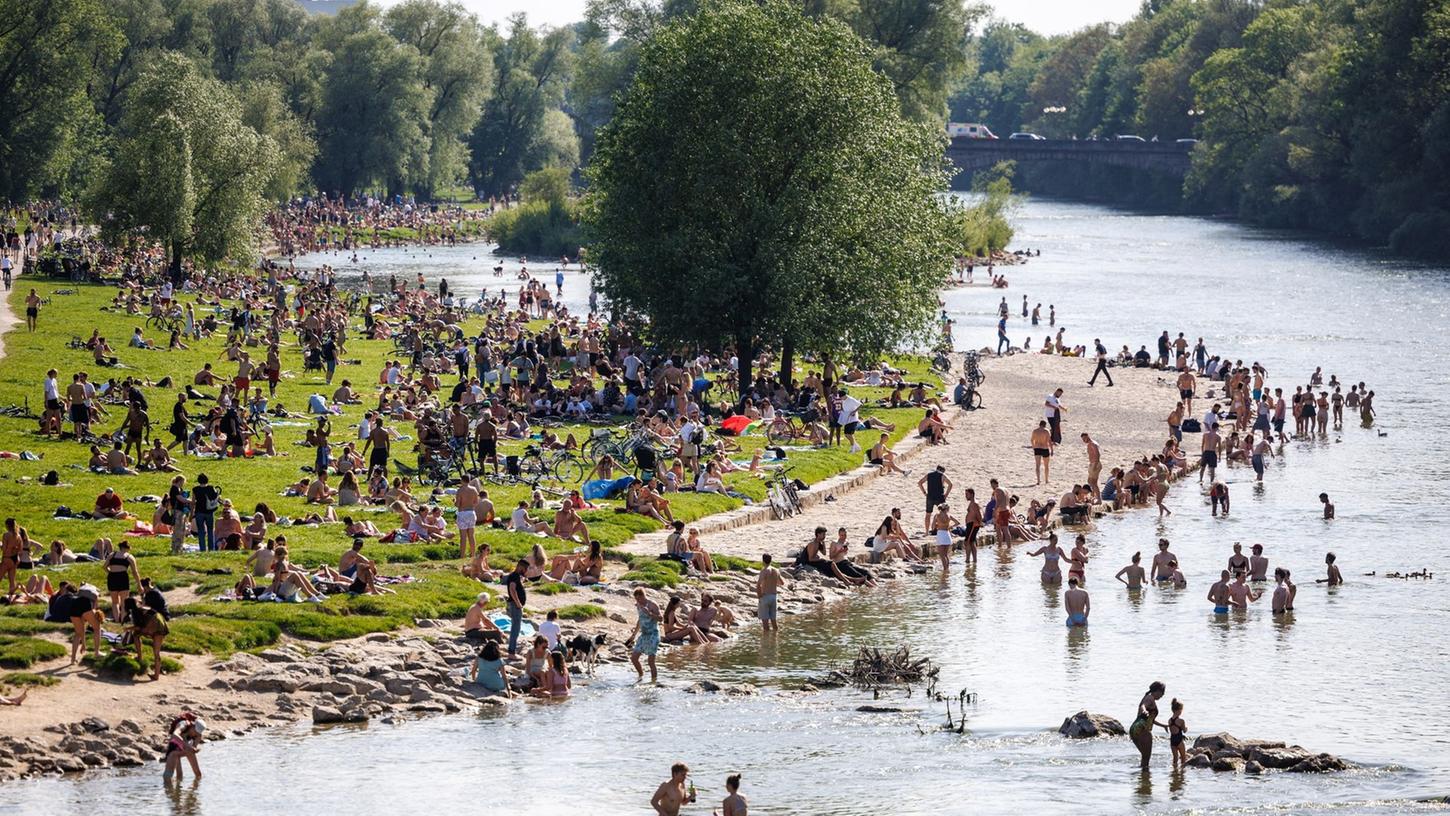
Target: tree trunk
176, 265
745, 353
787, 362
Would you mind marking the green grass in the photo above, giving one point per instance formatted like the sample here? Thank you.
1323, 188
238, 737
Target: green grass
24, 652
731, 563
654, 572
125, 664
580, 612
194, 579
28, 679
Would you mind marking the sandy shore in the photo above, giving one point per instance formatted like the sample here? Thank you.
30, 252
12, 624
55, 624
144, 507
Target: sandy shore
294, 681
1127, 421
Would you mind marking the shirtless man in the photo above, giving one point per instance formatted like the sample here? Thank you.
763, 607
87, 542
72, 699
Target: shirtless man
1079, 606
1041, 443
466, 500
1162, 562
1218, 594
671, 795
1186, 385
1258, 564
80, 409
568, 524
1001, 514
477, 625
1095, 465
378, 441
1333, 577
486, 435
1208, 458
881, 456
32, 309
1284, 592
767, 587
1240, 594
1328, 506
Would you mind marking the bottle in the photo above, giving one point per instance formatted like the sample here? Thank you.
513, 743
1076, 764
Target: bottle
692, 792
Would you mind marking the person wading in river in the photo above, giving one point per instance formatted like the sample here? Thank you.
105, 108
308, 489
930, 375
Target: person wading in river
1141, 731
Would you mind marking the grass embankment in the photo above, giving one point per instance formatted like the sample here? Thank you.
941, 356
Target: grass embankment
205, 625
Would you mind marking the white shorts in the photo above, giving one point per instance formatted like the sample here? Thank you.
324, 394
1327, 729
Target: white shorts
943, 538
466, 520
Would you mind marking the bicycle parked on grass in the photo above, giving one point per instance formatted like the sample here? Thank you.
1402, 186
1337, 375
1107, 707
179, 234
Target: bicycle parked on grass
788, 427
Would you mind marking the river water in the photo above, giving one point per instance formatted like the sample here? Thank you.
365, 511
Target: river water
1358, 670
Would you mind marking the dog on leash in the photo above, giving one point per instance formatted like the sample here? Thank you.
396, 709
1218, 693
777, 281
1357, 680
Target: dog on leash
584, 650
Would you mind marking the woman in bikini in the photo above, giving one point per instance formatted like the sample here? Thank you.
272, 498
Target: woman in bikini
1141, 731
1078, 559
1051, 553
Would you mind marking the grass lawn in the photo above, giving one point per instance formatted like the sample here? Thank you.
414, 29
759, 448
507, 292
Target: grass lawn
205, 625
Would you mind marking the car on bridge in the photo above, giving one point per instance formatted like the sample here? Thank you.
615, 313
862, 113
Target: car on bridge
1026, 137
1186, 142
969, 130
1128, 137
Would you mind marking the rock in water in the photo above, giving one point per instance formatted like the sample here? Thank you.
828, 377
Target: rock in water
1084, 725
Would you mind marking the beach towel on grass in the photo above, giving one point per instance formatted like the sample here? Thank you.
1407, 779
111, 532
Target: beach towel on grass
736, 425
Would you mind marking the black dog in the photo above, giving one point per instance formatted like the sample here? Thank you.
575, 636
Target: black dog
584, 650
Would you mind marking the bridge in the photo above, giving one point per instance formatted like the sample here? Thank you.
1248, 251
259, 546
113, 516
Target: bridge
972, 155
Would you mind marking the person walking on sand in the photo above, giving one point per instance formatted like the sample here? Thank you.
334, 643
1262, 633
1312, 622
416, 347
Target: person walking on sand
1041, 443
734, 804
671, 795
1208, 454
1141, 731
935, 486
767, 589
1078, 604
1095, 465
1100, 352
1053, 411
644, 640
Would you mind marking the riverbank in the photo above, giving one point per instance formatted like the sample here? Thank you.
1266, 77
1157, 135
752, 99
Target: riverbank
301, 680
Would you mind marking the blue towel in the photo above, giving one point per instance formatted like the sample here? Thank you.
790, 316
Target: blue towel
606, 488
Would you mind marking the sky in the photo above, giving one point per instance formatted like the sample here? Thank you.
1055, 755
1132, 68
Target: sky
1043, 16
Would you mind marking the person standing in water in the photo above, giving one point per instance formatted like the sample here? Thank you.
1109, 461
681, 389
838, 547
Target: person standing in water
734, 804
1051, 553
1284, 592
645, 640
1333, 578
1078, 604
1240, 594
1178, 735
1141, 731
1132, 575
767, 586
1258, 564
1218, 594
1328, 506
671, 795
941, 529
1162, 569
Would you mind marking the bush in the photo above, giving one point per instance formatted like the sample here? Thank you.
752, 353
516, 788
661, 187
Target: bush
546, 223
125, 664
580, 612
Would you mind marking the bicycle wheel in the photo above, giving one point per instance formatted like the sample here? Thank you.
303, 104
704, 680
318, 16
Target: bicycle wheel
777, 507
780, 432
973, 401
533, 469
569, 470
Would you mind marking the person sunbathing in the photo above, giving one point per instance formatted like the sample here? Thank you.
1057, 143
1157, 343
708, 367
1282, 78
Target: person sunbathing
479, 569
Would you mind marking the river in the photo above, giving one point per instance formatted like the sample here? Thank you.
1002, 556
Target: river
1358, 670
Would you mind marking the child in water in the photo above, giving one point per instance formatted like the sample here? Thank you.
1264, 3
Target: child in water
1178, 735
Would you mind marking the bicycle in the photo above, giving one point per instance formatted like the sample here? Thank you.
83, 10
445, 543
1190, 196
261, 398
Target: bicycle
563, 467
781, 493
789, 427
19, 411
164, 324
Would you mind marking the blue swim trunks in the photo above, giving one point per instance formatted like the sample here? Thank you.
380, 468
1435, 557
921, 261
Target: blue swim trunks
1077, 619
1220, 610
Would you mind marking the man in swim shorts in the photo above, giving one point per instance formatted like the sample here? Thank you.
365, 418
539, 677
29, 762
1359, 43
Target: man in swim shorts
466, 500
1077, 602
936, 487
1218, 594
1041, 442
767, 587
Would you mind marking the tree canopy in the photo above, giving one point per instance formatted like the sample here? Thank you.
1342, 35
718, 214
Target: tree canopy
187, 172
794, 207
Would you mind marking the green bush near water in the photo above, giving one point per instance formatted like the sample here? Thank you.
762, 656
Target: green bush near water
545, 223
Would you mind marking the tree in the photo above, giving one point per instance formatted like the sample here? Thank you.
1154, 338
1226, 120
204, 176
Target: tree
531, 73
456, 75
187, 172
372, 124
795, 207
46, 47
